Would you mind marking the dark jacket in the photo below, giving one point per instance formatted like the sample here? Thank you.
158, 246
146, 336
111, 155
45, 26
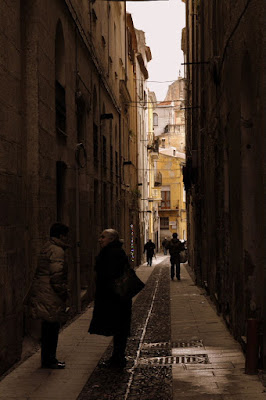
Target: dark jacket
111, 315
175, 247
48, 294
149, 247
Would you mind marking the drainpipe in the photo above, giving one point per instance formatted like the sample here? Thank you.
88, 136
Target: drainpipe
77, 195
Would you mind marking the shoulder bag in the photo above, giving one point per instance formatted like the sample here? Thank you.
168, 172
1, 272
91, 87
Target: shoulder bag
127, 285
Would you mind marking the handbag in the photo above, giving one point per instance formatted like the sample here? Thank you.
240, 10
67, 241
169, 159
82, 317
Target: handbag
127, 285
183, 256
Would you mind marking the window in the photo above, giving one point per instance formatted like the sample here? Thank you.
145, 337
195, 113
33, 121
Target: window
165, 204
164, 223
104, 153
163, 143
111, 159
155, 119
173, 152
95, 144
96, 202
116, 163
81, 120
61, 168
105, 201
60, 96
141, 91
60, 108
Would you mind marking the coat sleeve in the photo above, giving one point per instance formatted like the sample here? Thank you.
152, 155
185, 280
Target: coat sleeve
58, 275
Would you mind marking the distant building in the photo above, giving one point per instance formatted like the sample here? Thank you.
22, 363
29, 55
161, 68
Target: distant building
169, 130
142, 59
155, 176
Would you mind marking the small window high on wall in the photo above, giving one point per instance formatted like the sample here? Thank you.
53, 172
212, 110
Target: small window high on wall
155, 119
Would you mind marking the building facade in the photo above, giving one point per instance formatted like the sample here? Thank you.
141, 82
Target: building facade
223, 47
141, 105
67, 152
169, 130
155, 176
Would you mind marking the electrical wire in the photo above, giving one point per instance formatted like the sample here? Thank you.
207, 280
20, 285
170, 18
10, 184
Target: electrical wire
157, 101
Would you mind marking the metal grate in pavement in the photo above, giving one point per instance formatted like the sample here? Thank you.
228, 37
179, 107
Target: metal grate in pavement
191, 343
163, 345
182, 359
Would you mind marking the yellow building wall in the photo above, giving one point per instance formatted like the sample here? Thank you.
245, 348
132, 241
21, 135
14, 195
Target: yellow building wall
171, 170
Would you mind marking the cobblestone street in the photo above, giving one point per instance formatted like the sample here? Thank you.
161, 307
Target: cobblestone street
179, 349
151, 324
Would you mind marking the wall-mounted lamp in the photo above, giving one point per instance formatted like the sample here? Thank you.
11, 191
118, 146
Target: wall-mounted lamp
127, 163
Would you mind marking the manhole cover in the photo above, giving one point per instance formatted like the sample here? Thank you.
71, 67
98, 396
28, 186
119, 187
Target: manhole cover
182, 359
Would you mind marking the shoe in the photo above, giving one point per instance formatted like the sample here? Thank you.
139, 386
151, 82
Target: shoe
54, 365
178, 279
172, 278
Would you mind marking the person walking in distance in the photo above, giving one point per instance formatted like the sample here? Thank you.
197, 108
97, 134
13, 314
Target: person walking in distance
164, 245
175, 247
49, 292
149, 248
111, 314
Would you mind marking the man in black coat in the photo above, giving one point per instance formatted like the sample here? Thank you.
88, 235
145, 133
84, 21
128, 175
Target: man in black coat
175, 247
111, 315
149, 248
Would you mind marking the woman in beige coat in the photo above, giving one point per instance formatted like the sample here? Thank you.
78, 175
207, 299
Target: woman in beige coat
48, 295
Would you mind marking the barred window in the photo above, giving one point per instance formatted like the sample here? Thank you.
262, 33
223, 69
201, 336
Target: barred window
164, 222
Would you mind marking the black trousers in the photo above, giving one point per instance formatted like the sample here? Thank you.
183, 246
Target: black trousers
173, 265
120, 342
149, 258
49, 339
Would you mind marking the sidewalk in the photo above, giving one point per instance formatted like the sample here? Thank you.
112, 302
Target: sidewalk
193, 317
81, 352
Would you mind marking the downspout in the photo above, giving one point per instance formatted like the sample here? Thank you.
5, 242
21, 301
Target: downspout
77, 197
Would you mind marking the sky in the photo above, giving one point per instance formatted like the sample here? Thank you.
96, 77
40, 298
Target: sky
162, 22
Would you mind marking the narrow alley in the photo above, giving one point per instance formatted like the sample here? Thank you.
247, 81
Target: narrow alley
179, 349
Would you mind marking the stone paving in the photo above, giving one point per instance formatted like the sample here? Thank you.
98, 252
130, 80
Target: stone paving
150, 325
193, 318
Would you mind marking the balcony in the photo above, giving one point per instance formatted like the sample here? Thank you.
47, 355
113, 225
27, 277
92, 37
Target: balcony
153, 146
158, 179
172, 209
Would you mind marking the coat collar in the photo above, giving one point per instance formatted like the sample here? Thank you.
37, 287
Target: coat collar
59, 242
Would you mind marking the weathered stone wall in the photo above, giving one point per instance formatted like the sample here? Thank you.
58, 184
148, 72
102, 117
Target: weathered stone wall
224, 142
12, 202
43, 173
